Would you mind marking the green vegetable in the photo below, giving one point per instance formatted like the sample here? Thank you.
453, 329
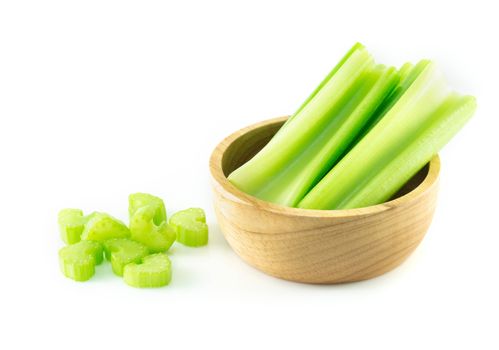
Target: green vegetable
148, 223
139, 200
157, 237
153, 271
101, 227
78, 260
444, 124
71, 224
190, 226
318, 135
123, 251
400, 144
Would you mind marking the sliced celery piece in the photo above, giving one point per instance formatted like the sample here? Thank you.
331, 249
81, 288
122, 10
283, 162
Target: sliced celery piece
123, 251
266, 166
102, 226
190, 226
139, 200
154, 271
393, 133
446, 121
71, 224
157, 237
78, 260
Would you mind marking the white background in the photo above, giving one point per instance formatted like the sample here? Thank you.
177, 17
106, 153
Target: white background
99, 99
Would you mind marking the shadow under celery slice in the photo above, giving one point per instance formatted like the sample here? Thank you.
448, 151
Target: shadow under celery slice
297, 156
396, 131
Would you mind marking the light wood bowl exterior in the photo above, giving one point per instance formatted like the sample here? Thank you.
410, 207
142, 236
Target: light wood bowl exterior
317, 246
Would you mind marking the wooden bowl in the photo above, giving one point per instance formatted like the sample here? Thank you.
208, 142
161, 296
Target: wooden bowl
317, 246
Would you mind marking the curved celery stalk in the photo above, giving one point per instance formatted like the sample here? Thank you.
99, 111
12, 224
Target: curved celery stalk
102, 226
123, 251
444, 124
394, 132
318, 157
190, 226
154, 271
78, 260
266, 166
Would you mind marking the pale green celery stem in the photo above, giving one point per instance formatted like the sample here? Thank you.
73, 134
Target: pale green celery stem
285, 145
317, 157
445, 123
408, 74
357, 46
393, 132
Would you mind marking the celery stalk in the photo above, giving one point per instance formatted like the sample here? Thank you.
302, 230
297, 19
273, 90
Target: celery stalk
393, 133
317, 158
445, 123
357, 46
311, 127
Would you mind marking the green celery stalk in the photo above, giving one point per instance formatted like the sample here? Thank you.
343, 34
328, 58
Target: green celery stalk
449, 118
265, 167
318, 157
393, 133
355, 47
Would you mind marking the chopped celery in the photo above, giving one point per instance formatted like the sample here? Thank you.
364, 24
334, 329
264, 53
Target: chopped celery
153, 271
157, 237
71, 224
299, 155
446, 121
78, 260
101, 227
139, 200
123, 251
399, 127
190, 226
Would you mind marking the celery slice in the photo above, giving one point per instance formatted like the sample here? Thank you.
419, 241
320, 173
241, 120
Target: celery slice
446, 121
101, 227
157, 237
393, 133
139, 200
153, 271
78, 260
190, 226
123, 251
71, 224
266, 167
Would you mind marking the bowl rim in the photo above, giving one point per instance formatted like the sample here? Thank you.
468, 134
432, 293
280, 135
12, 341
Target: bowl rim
216, 158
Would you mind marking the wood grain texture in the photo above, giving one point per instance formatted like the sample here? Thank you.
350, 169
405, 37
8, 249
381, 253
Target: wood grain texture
317, 246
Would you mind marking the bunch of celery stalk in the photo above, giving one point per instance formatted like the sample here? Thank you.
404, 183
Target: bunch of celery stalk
359, 137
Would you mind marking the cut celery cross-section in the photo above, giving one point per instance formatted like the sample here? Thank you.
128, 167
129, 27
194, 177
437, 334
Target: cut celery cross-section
101, 227
191, 227
71, 224
157, 237
123, 251
154, 271
78, 260
139, 200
